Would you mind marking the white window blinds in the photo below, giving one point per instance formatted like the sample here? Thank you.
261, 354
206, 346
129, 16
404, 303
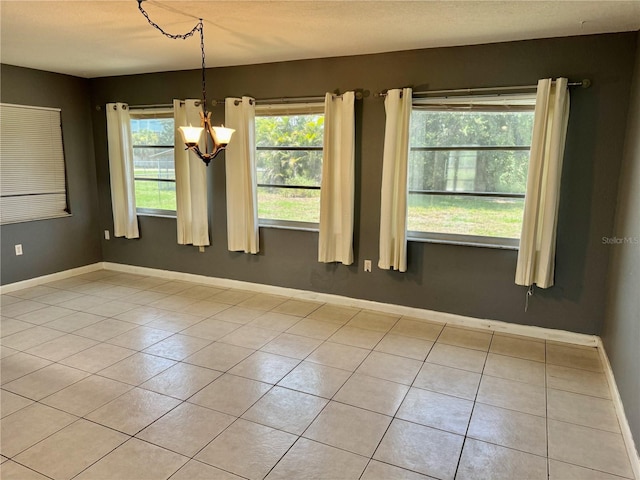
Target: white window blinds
32, 172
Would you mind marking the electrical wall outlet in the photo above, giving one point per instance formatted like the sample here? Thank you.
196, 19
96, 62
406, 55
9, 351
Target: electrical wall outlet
19, 249
201, 249
107, 236
367, 265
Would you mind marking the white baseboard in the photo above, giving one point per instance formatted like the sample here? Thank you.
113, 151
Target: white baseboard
418, 313
34, 282
632, 451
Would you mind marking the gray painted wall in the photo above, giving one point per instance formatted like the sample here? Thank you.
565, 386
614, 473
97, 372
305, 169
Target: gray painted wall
621, 332
57, 244
472, 281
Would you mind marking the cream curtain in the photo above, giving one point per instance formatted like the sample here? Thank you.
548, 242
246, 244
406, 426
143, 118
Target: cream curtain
536, 257
242, 202
191, 180
393, 202
123, 199
338, 163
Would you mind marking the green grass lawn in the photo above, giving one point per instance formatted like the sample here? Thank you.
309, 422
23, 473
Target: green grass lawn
426, 213
461, 215
291, 204
466, 215
157, 195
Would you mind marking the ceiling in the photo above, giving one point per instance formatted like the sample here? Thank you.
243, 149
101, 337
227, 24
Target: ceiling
91, 38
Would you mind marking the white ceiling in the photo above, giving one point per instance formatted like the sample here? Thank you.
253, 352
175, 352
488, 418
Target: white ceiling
91, 38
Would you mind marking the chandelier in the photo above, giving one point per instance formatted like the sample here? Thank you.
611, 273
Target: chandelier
217, 138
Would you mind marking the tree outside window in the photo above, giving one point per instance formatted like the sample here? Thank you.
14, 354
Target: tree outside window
289, 167
467, 171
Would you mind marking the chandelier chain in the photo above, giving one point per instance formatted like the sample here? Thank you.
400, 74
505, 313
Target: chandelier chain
177, 36
192, 139
204, 82
199, 27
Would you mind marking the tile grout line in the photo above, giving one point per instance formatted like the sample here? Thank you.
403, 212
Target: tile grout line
256, 401
329, 400
393, 417
546, 409
475, 401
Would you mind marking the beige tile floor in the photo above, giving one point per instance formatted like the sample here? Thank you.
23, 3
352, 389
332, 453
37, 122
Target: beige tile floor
116, 376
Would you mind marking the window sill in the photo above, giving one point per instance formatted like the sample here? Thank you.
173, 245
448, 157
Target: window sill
284, 225
156, 214
465, 241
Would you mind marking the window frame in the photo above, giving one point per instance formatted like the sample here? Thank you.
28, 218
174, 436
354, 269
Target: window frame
281, 110
480, 103
153, 113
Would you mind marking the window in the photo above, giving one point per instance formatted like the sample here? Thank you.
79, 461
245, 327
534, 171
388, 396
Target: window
468, 165
33, 181
152, 132
289, 164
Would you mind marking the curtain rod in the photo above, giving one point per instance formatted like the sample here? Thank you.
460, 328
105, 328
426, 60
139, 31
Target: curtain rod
155, 105
215, 102
165, 105
359, 93
586, 83
284, 100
